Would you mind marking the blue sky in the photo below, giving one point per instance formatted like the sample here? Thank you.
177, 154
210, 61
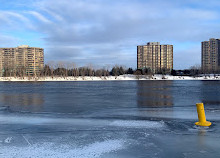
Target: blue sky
103, 33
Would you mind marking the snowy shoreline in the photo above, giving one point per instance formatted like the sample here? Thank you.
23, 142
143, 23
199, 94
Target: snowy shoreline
109, 78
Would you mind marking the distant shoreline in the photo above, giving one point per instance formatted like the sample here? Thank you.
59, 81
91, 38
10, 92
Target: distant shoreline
105, 78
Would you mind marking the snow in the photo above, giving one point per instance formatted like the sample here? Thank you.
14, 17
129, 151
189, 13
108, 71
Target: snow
138, 124
49, 150
93, 138
111, 78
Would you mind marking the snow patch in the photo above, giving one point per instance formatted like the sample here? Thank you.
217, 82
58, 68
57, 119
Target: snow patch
112, 78
138, 124
4, 108
8, 140
47, 150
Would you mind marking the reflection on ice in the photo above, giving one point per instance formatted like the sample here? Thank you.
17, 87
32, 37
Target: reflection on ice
23, 101
154, 94
50, 150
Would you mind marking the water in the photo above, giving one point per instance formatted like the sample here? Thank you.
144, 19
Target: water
108, 119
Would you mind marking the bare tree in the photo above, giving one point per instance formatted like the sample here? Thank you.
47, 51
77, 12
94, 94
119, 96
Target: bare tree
195, 70
51, 64
138, 74
98, 73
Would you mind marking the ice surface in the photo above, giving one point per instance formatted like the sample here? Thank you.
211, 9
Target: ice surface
80, 121
108, 119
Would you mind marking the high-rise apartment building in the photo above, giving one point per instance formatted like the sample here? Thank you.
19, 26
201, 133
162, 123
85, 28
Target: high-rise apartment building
155, 57
211, 55
22, 59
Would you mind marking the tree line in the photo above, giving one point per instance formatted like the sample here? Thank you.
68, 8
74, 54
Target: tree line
195, 71
63, 70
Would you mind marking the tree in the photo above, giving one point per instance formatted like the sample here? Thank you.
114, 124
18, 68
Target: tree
98, 73
82, 71
173, 72
115, 71
46, 71
195, 70
121, 70
138, 73
130, 71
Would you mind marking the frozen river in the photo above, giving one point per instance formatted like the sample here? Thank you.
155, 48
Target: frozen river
108, 119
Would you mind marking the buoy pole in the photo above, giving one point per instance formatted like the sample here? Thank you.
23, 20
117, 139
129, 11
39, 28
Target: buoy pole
201, 116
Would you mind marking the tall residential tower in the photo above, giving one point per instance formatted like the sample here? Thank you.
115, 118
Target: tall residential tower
22, 59
211, 55
155, 57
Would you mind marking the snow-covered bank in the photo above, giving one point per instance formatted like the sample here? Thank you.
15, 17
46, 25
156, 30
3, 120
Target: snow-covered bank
110, 78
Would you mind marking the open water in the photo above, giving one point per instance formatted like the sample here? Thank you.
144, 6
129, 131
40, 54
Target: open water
108, 119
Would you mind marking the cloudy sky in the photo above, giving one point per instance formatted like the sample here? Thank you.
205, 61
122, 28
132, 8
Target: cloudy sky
107, 32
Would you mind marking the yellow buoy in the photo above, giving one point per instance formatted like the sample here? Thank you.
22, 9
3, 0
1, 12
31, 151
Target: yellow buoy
201, 116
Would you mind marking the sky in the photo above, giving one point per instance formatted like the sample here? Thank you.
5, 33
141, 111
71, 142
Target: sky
103, 33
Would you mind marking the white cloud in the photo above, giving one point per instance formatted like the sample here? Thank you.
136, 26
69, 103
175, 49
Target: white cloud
10, 18
39, 16
53, 14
